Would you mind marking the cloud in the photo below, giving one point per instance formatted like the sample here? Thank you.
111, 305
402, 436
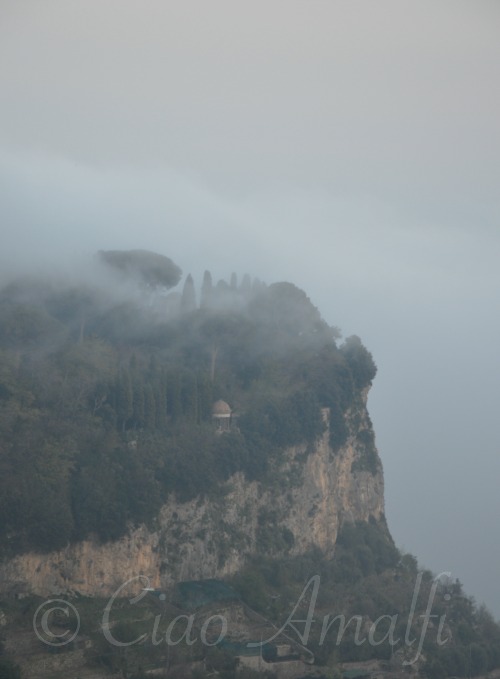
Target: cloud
397, 100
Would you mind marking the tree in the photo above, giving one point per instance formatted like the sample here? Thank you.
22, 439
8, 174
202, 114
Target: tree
8, 670
149, 407
216, 330
150, 269
246, 286
138, 404
189, 396
160, 397
205, 396
123, 398
188, 299
174, 403
206, 290
360, 361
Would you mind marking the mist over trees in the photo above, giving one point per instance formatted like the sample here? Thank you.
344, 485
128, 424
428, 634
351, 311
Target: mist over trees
106, 399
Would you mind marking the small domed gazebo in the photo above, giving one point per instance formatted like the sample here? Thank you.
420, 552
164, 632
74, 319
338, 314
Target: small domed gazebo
221, 415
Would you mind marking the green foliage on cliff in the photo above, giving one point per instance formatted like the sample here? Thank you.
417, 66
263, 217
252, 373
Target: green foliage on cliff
106, 402
371, 603
9, 670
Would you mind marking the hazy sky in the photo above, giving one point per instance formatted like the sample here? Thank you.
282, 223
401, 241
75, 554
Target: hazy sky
351, 147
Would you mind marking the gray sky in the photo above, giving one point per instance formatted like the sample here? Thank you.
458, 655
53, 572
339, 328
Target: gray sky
350, 147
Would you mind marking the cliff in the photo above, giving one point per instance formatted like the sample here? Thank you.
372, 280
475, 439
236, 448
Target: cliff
302, 507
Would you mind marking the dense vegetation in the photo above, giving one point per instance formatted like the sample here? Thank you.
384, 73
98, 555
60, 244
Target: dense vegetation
106, 394
369, 580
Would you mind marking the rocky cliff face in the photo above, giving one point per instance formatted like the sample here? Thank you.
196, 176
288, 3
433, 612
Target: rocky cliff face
302, 507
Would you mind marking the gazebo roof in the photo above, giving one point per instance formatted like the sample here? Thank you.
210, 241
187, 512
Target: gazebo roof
221, 409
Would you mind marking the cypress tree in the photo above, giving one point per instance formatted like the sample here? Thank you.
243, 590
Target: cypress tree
206, 290
123, 398
138, 404
188, 299
205, 396
174, 405
189, 396
149, 407
246, 286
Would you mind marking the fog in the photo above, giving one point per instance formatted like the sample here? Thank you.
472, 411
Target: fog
351, 148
